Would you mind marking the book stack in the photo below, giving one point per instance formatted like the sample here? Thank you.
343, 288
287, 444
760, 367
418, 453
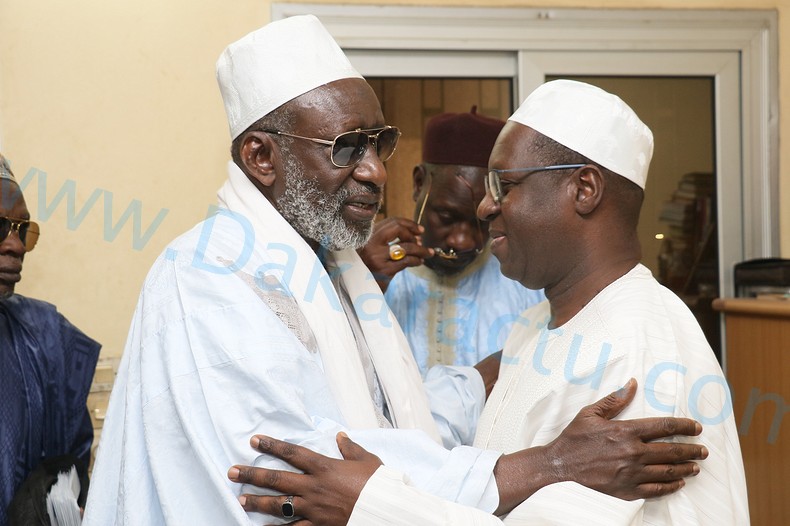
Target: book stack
688, 254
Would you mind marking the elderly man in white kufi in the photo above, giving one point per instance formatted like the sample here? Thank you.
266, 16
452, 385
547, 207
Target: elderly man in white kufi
263, 319
240, 328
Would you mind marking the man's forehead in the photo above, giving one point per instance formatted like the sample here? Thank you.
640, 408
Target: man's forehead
460, 183
514, 144
342, 105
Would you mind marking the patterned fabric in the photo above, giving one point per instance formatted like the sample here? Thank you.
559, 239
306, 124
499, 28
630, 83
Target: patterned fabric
372, 379
46, 368
459, 319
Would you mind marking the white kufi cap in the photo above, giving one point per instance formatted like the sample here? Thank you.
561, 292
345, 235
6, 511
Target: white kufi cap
275, 64
592, 122
5, 169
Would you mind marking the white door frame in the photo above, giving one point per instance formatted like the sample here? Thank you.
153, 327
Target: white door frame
738, 48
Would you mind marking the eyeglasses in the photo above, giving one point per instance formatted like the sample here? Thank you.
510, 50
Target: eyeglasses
26, 230
494, 182
349, 148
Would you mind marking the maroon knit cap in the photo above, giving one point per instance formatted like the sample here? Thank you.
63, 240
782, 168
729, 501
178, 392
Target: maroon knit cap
460, 138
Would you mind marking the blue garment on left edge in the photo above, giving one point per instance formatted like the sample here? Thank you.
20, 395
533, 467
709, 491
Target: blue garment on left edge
46, 369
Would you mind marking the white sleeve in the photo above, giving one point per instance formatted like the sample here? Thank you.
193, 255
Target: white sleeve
456, 395
388, 498
462, 474
569, 503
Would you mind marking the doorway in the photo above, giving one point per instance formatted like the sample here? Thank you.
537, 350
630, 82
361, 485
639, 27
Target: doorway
410, 103
677, 227
737, 50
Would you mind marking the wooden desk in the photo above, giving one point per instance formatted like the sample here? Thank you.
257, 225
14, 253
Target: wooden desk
758, 369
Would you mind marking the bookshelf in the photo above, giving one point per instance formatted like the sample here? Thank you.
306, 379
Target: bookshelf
688, 260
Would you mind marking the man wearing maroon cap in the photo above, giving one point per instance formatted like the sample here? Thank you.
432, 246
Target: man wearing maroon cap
452, 301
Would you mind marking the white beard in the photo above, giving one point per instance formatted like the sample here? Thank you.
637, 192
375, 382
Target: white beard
316, 215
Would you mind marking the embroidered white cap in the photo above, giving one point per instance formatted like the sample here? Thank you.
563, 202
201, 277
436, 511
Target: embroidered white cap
592, 122
5, 169
275, 64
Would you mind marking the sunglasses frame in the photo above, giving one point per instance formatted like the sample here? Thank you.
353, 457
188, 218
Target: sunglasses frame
371, 137
15, 226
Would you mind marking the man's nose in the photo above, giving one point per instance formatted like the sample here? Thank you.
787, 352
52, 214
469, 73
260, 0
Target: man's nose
488, 209
12, 244
371, 168
464, 237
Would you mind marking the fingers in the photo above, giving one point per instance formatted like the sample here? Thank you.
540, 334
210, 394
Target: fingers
657, 489
376, 252
273, 505
668, 472
353, 451
611, 405
662, 427
281, 481
348, 448
661, 480
297, 456
673, 452
416, 253
396, 227
413, 228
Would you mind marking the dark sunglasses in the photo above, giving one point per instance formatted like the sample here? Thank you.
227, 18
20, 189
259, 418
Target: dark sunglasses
349, 148
27, 231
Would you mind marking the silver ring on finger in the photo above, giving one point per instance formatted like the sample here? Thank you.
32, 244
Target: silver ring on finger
288, 507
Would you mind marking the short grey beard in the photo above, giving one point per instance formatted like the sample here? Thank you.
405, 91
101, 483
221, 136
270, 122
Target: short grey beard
316, 215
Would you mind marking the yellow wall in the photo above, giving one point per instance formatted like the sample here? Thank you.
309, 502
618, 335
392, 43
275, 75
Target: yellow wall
117, 100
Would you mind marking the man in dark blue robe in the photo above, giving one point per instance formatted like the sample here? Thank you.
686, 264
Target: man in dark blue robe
46, 364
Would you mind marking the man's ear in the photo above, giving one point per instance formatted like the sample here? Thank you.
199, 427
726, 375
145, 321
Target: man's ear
256, 152
588, 187
418, 177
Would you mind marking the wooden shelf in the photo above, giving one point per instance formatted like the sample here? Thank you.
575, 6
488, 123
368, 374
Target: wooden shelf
758, 369
761, 307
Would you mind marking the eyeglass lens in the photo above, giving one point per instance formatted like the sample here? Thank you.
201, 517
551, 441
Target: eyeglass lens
27, 230
350, 147
494, 182
494, 186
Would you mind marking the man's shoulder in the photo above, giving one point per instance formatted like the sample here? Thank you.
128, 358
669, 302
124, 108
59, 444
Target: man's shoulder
638, 295
47, 323
31, 307
221, 241
638, 312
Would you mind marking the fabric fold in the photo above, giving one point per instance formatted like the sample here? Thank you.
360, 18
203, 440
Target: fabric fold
318, 301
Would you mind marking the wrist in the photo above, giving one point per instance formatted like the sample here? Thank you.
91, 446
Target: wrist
519, 475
